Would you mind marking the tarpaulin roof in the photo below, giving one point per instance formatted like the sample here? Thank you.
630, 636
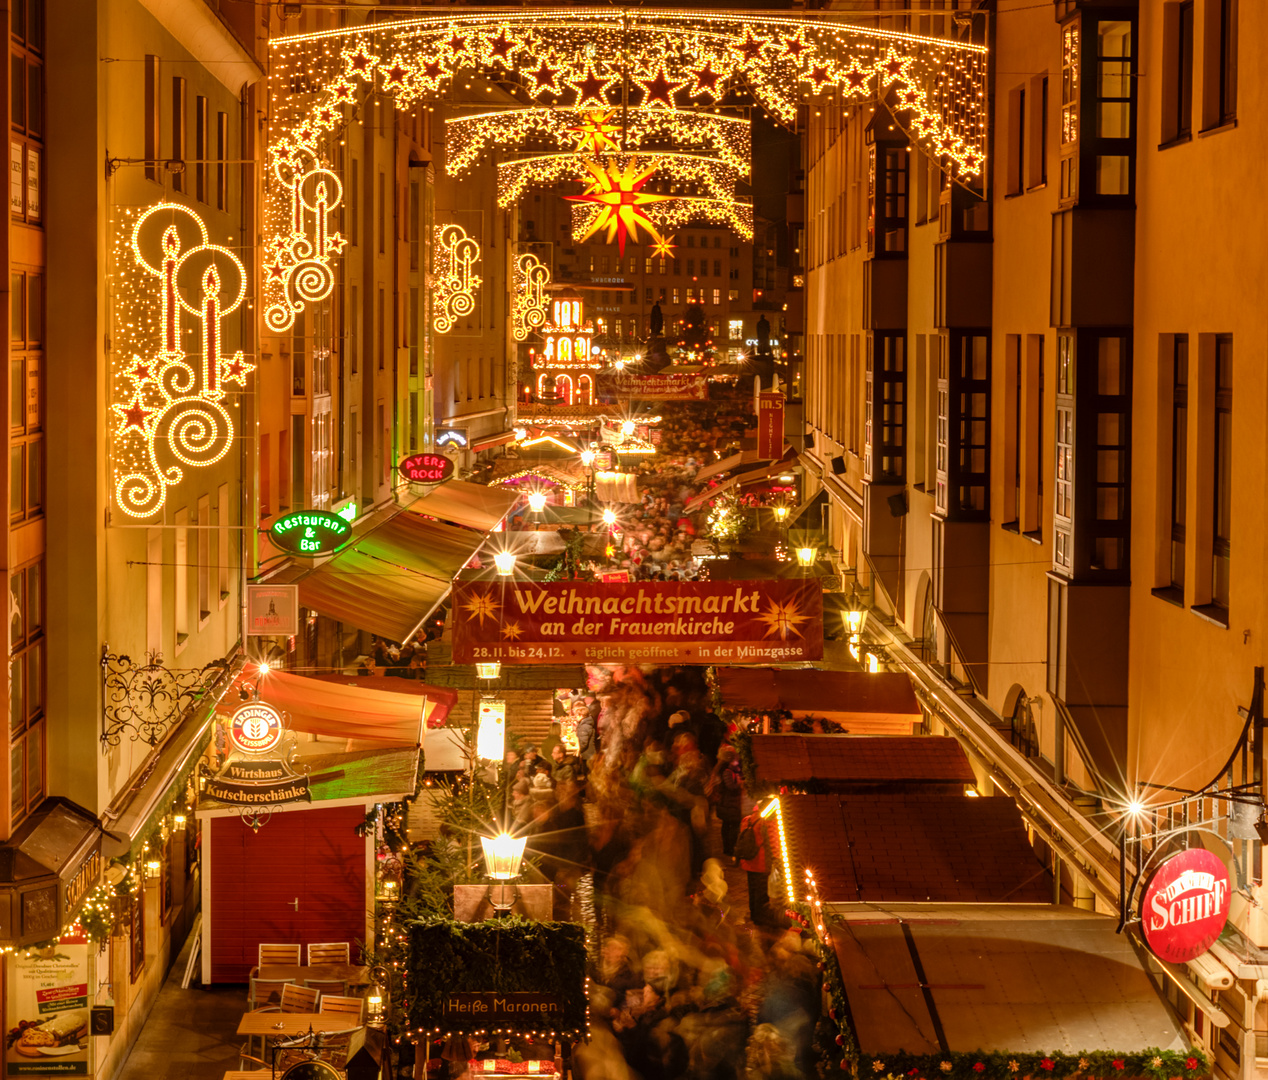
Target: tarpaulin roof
349, 710
861, 759
803, 690
391, 579
744, 457
474, 505
698, 501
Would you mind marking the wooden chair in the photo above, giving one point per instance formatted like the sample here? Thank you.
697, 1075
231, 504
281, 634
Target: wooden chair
344, 1006
299, 999
335, 952
327, 986
277, 954
265, 992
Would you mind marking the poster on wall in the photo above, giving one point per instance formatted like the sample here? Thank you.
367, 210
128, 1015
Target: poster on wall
46, 1011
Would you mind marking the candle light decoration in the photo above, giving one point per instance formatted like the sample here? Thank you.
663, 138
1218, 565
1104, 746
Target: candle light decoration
456, 282
529, 300
170, 407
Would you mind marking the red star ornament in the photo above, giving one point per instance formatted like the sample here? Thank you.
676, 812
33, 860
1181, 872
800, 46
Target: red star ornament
855, 77
501, 46
894, 67
706, 79
457, 44
750, 48
794, 46
395, 74
545, 77
591, 87
134, 414
659, 88
360, 61
432, 69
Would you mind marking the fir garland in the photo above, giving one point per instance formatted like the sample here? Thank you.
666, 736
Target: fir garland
1154, 1064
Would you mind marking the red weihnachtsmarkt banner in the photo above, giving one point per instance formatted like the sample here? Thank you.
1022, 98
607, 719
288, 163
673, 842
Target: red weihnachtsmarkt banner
644, 622
659, 387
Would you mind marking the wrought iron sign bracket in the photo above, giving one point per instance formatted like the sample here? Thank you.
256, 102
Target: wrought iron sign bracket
144, 702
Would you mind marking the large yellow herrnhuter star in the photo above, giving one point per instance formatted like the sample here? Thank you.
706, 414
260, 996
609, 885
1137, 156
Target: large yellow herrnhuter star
783, 619
618, 194
596, 130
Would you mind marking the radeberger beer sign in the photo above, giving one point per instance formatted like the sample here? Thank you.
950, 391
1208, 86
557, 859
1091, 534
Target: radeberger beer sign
1185, 905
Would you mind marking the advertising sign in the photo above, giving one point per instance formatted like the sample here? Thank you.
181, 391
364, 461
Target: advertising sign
754, 622
770, 424
660, 387
255, 728
310, 532
426, 468
1185, 905
47, 1011
493, 1006
272, 610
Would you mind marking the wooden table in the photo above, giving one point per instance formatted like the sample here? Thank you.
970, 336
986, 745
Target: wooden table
292, 1024
349, 973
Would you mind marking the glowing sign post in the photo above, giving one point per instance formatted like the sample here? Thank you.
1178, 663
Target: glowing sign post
1185, 905
426, 468
310, 532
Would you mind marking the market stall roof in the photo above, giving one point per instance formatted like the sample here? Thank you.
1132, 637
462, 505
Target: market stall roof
737, 569
473, 505
374, 707
782, 464
848, 761
389, 580
1003, 978
914, 848
878, 703
726, 464
525, 543
698, 501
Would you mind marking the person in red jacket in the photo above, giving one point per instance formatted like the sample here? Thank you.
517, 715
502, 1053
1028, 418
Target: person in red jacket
758, 869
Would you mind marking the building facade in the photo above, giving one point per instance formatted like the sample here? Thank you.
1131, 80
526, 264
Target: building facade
1020, 395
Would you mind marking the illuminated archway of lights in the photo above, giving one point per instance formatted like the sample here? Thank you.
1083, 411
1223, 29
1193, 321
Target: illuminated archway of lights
728, 138
456, 285
578, 56
169, 406
529, 300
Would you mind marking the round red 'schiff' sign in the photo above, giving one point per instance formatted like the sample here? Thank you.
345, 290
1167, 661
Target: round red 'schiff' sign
1185, 905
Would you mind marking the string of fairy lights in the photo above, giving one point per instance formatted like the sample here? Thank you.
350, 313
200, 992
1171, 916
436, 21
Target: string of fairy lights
530, 301
456, 283
727, 137
667, 70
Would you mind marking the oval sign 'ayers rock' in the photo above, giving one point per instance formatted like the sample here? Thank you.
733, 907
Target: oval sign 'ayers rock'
310, 532
1185, 905
426, 468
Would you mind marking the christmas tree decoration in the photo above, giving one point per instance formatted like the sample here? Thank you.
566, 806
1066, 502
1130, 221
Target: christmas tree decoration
170, 406
456, 282
618, 193
529, 302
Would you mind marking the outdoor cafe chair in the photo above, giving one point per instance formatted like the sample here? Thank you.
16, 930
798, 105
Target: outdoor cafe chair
266, 992
299, 999
277, 954
335, 952
327, 986
350, 1006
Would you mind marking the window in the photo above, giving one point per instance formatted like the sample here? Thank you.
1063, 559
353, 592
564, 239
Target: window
691, 266
26, 395
202, 149
677, 268
885, 414
733, 294
647, 265
735, 329
354, 325
222, 155
1219, 64
178, 130
661, 268
180, 594
1031, 436
354, 207
1177, 89
204, 559
717, 297
153, 120
266, 476
222, 544
381, 343
1016, 162
691, 241
27, 107
1179, 458
647, 296
26, 689
382, 209
1069, 111
1037, 156
676, 299
1222, 460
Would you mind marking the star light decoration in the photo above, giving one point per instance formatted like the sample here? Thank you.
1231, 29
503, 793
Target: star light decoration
937, 88
171, 411
782, 620
618, 193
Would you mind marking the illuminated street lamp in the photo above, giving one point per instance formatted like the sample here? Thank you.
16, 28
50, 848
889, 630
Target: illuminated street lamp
627, 427
505, 563
503, 855
609, 517
537, 501
805, 557
781, 514
490, 670
587, 457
